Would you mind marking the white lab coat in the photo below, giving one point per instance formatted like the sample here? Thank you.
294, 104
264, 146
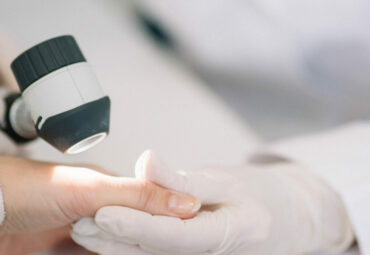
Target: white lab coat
313, 54
340, 157
154, 100
289, 66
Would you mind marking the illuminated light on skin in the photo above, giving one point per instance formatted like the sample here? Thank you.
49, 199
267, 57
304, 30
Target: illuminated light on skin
70, 174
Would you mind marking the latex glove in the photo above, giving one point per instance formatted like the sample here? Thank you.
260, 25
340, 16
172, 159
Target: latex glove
270, 209
41, 196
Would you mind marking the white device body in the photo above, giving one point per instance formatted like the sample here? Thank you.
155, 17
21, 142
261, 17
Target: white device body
61, 100
62, 90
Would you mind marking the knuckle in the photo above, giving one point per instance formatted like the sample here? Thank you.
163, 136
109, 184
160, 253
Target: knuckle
148, 193
82, 202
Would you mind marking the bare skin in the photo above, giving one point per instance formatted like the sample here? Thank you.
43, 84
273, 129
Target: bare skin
42, 199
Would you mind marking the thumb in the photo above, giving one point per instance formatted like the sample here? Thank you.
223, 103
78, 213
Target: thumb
204, 185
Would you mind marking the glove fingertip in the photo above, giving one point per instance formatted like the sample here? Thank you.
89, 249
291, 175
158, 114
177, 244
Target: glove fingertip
140, 166
154, 169
85, 226
105, 214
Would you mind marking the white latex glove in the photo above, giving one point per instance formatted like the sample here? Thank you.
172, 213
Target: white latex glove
278, 208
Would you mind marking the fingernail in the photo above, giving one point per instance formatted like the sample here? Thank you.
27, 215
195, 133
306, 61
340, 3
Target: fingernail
183, 204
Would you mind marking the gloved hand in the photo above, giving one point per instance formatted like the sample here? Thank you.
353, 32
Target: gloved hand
41, 197
279, 208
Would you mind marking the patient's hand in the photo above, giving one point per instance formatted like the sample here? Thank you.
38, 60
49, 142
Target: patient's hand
41, 196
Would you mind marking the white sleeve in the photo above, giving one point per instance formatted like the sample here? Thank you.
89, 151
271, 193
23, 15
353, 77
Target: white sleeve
342, 158
7, 147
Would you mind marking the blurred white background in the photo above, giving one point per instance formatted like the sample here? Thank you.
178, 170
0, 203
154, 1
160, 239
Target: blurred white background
286, 67
156, 102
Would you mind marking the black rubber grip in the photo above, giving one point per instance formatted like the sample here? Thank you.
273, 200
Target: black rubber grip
7, 126
45, 58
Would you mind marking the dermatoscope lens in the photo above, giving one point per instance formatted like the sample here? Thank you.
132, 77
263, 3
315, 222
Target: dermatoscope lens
86, 143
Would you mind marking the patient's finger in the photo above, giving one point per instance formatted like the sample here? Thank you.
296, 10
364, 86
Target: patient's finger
200, 234
97, 168
145, 196
83, 191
